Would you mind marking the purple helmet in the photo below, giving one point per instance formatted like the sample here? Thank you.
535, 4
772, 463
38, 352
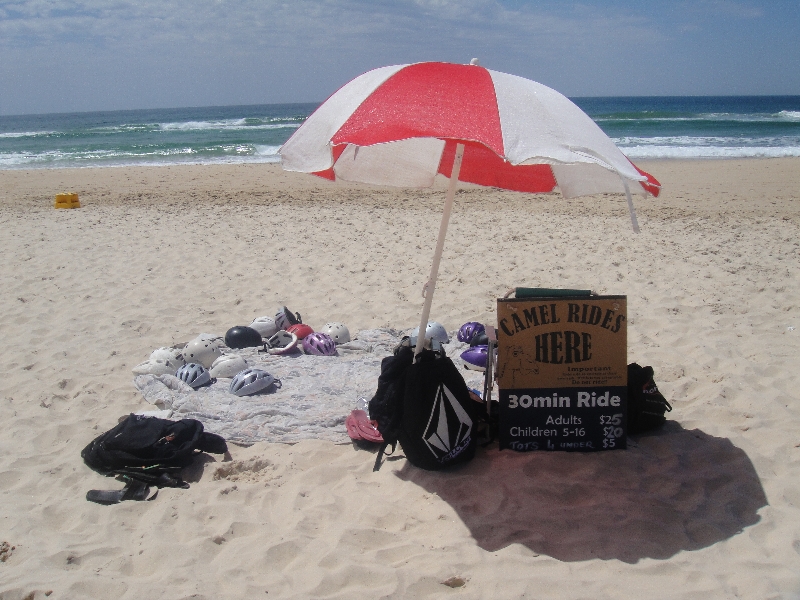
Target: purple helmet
469, 331
319, 343
475, 358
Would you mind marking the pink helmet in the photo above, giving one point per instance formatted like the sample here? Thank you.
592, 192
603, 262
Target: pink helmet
319, 343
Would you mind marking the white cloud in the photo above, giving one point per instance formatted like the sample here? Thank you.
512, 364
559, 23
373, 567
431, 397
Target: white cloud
275, 23
145, 53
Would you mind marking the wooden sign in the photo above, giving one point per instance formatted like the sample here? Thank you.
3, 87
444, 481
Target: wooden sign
562, 373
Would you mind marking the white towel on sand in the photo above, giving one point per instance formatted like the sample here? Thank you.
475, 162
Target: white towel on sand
316, 394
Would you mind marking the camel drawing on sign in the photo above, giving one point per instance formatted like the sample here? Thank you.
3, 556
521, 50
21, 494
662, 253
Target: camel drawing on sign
515, 367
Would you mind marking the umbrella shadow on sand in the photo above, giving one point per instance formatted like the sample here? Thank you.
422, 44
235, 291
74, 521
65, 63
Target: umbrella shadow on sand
671, 491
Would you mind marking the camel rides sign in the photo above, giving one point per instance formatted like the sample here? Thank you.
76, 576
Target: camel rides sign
562, 373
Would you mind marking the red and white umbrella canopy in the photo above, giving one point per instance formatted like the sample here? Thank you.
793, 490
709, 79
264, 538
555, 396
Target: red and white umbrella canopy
399, 126
402, 125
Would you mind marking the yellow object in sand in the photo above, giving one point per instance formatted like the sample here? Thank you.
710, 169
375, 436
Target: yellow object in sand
67, 201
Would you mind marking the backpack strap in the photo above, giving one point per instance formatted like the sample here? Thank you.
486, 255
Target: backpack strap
158, 475
381, 452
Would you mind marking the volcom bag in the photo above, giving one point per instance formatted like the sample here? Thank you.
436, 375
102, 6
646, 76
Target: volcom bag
439, 417
150, 450
646, 405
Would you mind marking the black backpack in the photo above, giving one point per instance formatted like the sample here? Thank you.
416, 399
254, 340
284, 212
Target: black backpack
386, 406
147, 451
426, 407
646, 405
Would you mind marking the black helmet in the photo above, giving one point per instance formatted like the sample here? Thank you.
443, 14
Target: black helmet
480, 339
242, 337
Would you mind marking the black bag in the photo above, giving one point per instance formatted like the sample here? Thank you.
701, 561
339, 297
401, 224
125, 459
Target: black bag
439, 417
646, 405
148, 451
426, 407
386, 406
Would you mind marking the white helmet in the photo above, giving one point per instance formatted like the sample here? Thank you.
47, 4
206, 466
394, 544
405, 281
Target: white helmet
338, 332
193, 374
157, 366
210, 337
228, 365
203, 351
282, 342
265, 326
284, 317
434, 331
173, 355
251, 381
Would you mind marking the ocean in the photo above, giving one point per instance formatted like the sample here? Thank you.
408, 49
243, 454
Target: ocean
699, 127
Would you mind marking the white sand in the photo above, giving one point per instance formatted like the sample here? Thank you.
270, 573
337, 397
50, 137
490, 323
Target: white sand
708, 508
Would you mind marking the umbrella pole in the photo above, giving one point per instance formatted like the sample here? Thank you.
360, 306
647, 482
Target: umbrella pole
634, 220
427, 291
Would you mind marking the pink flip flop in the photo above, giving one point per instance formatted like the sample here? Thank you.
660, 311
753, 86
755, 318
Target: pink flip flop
358, 423
352, 427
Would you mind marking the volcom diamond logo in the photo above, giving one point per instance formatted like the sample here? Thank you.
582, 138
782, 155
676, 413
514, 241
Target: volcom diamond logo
449, 425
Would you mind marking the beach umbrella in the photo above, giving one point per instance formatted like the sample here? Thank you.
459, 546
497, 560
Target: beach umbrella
402, 125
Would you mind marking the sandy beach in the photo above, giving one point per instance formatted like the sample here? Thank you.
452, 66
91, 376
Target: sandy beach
708, 507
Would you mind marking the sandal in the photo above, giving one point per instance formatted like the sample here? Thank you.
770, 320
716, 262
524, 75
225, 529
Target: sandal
359, 427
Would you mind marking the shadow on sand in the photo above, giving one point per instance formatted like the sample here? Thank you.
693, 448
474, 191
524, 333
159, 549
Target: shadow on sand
670, 491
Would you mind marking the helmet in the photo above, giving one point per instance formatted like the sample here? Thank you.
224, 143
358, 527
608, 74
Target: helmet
251, 381
338, 331
281, 343
210, 337
428, 343
173, 355
265, 326
228, 365
157, 366
284, 317
480, 339
469, 331
434, 331
193, 374
203, 351
300, 330
475, 358
242, 337
319, 343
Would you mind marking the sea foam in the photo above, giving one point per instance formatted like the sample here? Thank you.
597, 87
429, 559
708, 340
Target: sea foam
654, 127
226, 125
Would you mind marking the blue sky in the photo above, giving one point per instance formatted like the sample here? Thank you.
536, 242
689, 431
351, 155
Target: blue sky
82, 55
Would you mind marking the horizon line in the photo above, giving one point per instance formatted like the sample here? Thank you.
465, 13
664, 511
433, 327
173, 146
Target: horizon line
318, 103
